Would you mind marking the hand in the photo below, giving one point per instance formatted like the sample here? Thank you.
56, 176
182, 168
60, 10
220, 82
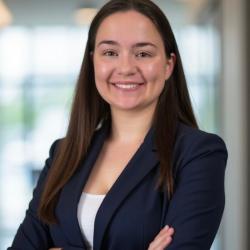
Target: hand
162, 239
55, 248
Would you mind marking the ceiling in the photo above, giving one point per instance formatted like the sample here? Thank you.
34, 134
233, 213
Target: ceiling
61, 12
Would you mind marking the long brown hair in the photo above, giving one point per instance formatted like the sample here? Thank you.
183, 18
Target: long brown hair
88, 109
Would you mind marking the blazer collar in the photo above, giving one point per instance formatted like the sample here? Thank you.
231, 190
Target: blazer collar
143, 161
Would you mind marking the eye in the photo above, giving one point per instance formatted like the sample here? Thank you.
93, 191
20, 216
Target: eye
110, 53
143, 54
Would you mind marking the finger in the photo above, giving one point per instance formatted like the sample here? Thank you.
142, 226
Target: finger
163, 231
160, 243
165, 243
170, 231
163, 238
167, 231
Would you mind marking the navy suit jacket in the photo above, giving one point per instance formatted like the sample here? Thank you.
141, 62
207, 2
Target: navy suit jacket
133, 211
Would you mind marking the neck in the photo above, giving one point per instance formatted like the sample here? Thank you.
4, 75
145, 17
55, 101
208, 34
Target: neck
130, 127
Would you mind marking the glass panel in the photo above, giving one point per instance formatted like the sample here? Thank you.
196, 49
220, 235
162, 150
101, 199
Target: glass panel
37, 75
199, 48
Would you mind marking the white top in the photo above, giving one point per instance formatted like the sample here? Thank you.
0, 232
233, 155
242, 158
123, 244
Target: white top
86, 212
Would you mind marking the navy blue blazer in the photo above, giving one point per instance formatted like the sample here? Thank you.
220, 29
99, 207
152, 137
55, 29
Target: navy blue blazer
133, 211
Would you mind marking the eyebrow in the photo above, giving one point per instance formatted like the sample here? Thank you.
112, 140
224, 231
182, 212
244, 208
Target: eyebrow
140, 44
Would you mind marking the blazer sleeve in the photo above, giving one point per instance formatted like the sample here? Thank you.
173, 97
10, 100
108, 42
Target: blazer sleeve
196, 208
33, 233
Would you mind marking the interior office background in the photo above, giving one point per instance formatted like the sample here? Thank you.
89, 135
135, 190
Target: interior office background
41, 49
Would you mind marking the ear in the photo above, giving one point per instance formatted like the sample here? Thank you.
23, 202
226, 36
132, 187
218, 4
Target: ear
170, 64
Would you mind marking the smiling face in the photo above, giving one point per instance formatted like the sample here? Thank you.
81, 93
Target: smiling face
130, 62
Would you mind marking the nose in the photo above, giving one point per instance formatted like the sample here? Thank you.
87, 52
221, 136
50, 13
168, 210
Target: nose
126, 65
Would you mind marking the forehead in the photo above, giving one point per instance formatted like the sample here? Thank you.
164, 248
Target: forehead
130, 26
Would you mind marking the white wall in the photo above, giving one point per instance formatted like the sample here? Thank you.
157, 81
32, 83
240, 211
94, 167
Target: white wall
234, 111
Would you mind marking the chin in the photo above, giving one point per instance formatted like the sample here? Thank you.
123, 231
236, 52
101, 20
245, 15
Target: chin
126, 107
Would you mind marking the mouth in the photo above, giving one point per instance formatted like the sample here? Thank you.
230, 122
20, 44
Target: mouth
127, 86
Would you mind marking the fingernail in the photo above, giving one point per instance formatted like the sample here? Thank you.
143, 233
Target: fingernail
166, 227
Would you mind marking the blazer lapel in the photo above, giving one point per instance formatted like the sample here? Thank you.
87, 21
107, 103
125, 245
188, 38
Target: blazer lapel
143, 161
70, 195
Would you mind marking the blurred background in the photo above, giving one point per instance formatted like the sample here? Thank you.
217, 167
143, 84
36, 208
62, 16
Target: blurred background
41, 49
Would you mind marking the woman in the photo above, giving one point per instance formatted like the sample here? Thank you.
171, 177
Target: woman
133, 160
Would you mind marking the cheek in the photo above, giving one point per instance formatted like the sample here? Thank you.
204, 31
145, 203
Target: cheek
102, 71
155, 72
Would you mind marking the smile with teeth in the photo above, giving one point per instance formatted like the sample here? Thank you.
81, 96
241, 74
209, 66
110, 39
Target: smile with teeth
127, 86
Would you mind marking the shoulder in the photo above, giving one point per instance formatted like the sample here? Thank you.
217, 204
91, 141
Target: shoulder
52, 152
187, 136
54, 147
192, 143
